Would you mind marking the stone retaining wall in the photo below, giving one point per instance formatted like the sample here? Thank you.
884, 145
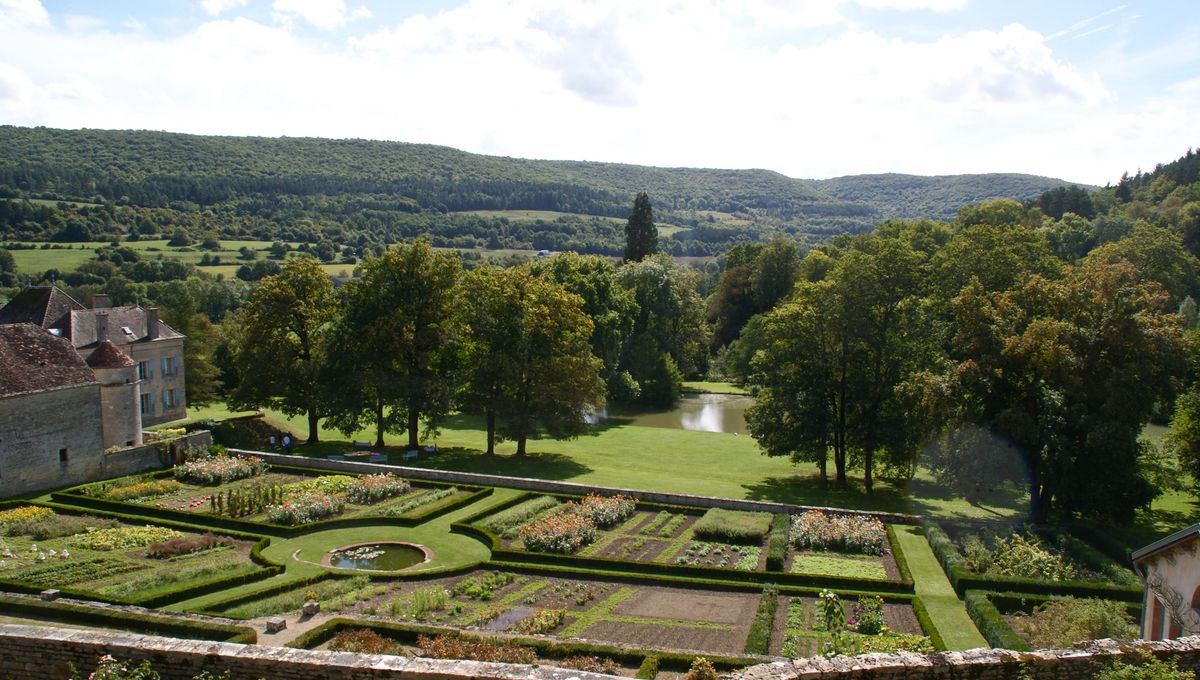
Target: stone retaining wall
549, 486
136, 459
37, 653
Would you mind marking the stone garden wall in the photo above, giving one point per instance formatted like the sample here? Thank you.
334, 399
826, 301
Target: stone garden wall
548, 486
38, 653
154, 456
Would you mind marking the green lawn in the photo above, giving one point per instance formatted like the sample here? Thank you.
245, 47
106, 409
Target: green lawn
681, 461
948, 613
713, 387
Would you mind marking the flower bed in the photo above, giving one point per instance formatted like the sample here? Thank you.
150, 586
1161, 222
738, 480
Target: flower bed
26, 514
305, 508
732, 526
123, 538
562, 532
219, 469
374, 488
603, 511
816, 530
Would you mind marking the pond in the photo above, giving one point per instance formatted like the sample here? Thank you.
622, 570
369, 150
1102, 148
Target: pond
695, 411
377, 556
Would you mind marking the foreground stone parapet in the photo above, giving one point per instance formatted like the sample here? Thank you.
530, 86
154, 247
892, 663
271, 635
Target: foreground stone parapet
35, 652
38, 653
978, 664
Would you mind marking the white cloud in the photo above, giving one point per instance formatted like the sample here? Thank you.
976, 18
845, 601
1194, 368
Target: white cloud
324, 14
18, 13
215, 7
672, 82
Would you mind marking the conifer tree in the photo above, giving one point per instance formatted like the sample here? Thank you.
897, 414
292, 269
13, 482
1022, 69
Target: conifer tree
641, 236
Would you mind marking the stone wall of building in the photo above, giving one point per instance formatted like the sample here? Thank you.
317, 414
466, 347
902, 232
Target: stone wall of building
35, 431
121, 420
153, 352
155, 456
38, 653
548, 486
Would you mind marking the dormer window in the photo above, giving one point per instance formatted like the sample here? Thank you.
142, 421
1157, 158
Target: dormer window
128, 332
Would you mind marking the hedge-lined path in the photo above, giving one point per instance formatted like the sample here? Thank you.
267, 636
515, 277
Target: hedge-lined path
948, 613
450, 550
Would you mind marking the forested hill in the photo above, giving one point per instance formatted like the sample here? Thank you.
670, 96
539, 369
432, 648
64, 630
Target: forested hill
382, 187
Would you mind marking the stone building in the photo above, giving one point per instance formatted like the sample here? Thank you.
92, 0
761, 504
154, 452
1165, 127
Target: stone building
1170, 568
50, 424
156, 348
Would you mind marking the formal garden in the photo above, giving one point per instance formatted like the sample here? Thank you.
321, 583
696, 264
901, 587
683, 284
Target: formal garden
363, 559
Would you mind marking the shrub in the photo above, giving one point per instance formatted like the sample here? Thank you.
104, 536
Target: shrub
1024, 555
185, 545
850, 533
867, 616
108, 668
562, 532
447, 647
649, 668
122, 538
1144, 667
363, 641
702, 669
483, 587
732, 526
603, 511
219, 469
23, 515
544, 621
508, 523
305, 508
1062, 622
590, 664
374, 488
329, 485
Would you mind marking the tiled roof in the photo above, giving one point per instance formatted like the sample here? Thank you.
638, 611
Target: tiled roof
32, 359
108, 356
45, 306
83, 326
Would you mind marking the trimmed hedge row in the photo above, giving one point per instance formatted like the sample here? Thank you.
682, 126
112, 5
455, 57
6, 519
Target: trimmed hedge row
963, 579
758, 641
221, 608
649, 668
545, 648
1008, 603
927, 625
658, 580
131, 621
898, 555
991, 623
777, 541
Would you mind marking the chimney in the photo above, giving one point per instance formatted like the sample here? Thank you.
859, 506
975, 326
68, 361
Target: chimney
152, 323
101, 327
100, 301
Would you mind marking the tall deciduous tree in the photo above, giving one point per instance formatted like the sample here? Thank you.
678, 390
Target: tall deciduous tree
395, 351
530, 367
1069, 371
180, 311
641, 236
279, 347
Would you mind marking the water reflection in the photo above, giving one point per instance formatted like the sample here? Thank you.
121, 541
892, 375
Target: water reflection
695, 411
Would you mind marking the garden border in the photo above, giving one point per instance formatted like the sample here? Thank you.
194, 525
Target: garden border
149, 624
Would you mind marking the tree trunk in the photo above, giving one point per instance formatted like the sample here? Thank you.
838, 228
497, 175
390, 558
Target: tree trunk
521, 445
868, 463
379, 423
313, 433
413, 423
823, 464
491, 432
1039, 502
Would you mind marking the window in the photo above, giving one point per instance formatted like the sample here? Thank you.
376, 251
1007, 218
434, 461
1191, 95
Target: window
62, 456
147, 404
145, 370
170, 398
170, 366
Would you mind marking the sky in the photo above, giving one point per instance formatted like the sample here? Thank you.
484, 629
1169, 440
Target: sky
1077, 90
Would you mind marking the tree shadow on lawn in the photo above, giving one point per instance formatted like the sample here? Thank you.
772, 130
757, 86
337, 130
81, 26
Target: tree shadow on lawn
461, 459
918, 497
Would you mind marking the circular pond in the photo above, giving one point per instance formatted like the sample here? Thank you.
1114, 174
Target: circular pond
378, 556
